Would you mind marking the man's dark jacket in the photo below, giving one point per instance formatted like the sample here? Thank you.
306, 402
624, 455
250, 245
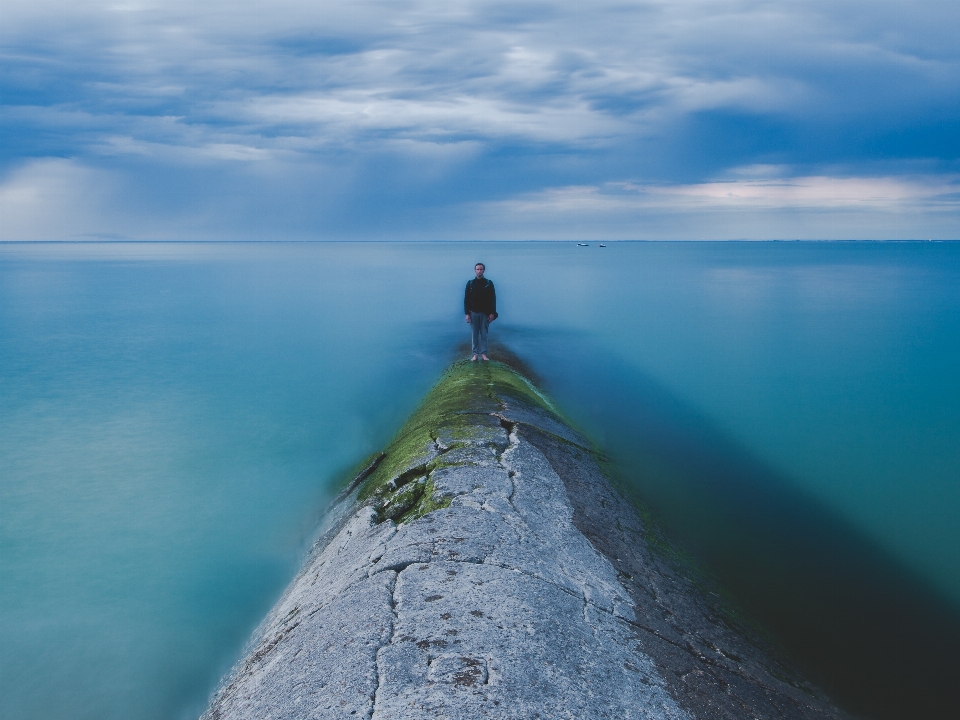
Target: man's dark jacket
480, 297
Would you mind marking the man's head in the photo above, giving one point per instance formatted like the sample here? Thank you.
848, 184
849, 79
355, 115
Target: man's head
478, 269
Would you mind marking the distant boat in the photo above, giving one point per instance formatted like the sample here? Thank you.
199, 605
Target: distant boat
583, 245
602, 245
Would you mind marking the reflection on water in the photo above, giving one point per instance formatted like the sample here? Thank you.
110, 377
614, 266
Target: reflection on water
172, 416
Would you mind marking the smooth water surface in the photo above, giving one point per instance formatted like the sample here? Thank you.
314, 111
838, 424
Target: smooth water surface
173, 417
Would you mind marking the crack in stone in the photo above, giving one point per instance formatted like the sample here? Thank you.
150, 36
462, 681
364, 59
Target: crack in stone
403, 566
377, 675
650, 630
549, 433
503, 460
398, 567
586, 619
440, 447
514, 442
707, 664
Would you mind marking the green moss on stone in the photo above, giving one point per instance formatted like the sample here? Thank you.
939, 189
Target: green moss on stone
463, 391
401, 501
429, 501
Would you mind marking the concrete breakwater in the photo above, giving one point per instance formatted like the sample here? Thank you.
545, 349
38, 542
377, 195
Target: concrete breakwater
484, 565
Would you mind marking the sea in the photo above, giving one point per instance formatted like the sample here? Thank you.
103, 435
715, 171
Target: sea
176, 417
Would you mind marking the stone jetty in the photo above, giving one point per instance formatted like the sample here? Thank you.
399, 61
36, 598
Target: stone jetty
484, 565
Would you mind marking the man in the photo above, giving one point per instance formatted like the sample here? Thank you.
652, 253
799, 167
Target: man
480, 309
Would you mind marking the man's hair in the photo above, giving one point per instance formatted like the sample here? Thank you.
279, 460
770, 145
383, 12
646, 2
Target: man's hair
481, 265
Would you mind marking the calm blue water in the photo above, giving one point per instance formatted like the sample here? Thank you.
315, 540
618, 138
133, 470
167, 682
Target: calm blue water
172, 416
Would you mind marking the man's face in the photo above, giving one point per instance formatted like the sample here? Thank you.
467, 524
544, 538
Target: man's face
479, 271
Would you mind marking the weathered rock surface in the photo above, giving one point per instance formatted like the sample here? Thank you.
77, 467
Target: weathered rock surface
485, 566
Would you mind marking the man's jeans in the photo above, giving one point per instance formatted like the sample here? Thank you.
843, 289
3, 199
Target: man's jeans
479, 324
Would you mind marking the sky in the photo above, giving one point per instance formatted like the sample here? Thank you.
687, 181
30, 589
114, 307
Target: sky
456, 120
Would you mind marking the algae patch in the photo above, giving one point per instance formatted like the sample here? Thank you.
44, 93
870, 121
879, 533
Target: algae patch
448, 418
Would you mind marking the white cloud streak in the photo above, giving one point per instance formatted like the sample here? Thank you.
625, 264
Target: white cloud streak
771, 208
885, 194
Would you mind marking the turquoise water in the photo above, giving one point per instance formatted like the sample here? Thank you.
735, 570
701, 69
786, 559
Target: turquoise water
172, 417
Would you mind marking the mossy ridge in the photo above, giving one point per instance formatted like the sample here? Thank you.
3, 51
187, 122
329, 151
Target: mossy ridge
465, 389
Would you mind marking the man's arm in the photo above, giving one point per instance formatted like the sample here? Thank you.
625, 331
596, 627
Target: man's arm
466, 297
493, 303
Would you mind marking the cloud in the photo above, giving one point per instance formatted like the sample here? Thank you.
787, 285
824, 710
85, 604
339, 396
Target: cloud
53, 199
884, 194
771, 208
468, 103
338, 116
